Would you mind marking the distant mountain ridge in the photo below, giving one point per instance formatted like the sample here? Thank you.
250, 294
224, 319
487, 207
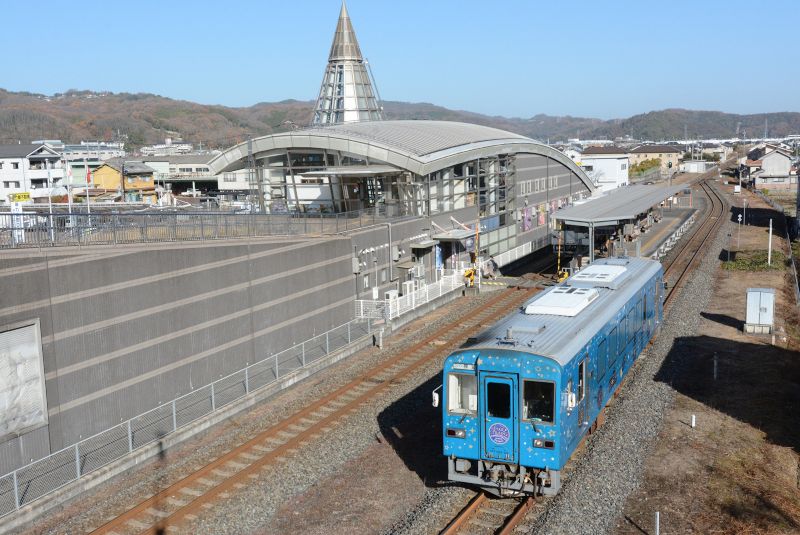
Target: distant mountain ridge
144, 118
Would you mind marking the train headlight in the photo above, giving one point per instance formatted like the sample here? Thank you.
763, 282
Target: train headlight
538, 443
457, 433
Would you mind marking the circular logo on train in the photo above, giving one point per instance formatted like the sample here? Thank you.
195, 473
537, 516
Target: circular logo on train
499, 433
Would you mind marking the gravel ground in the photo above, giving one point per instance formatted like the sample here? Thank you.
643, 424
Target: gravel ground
252, 508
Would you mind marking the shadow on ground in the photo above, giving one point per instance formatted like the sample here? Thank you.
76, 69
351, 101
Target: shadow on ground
413, 427
758, 384
723, 319
759, 217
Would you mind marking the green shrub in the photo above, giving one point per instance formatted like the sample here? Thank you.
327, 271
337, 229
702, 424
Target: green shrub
755, 261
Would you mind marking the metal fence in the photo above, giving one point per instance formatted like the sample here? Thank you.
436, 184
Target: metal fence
35, 480
388, 309
42, 229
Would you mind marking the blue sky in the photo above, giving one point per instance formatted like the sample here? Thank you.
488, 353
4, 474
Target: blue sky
512, 58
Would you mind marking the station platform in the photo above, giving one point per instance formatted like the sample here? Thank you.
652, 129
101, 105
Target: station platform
660, 232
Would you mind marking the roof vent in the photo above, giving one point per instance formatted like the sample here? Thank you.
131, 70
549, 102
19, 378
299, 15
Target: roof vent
563, 301
599, 276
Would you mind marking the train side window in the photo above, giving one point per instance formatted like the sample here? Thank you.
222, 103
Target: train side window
613, 345
498, 403
601, 358
537, 401
462, 393
631, 326
582, 380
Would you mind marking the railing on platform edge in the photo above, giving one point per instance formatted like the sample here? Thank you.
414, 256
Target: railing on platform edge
102, 227
389, 309
48, 474
512, 255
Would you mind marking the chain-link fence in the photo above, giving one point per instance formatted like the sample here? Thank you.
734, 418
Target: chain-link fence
42, 229
46, 475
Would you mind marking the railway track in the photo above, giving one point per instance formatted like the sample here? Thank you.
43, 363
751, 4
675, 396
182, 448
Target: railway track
484, 515
187, 499
677, 271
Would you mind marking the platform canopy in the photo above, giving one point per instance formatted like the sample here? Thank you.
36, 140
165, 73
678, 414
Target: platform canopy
617, 206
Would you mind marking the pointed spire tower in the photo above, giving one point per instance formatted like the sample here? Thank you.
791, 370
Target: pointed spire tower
346, 94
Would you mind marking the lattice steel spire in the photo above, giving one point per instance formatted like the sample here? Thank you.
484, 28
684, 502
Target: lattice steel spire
346, 94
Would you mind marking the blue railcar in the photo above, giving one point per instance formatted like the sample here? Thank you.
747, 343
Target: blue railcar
519, 397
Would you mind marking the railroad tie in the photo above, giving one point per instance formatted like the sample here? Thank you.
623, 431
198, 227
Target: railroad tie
137, 525
250, 456
191, 492
175, 502
158, 513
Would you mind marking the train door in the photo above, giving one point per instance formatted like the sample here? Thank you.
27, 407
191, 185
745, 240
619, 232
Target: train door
580, 395
498, 406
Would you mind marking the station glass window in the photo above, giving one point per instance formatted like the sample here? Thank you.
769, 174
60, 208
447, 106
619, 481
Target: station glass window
538, 401
366, 281
498, 403
462, 393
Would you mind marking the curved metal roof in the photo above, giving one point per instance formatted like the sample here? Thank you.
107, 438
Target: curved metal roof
421, 147
422, 138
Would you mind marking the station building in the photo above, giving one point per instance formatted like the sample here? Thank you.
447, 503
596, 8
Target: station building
446, 176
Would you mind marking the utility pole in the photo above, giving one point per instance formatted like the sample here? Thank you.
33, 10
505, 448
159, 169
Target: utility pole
769, 246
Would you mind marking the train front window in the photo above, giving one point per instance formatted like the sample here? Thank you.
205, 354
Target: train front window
462, 393
499, 403
538, 401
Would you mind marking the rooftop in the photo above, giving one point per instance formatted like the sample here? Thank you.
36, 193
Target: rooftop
18, 151
420, 138
131, 167
649, 149
618, 205
558, 322
604, 150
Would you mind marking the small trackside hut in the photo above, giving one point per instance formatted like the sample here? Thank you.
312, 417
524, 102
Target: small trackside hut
519, 398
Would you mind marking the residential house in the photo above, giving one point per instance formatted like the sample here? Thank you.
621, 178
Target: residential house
718, 151
31, 168
132, 180
773, 170
669, 155
606, 166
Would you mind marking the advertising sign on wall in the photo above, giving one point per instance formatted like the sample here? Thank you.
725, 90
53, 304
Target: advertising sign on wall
22, 394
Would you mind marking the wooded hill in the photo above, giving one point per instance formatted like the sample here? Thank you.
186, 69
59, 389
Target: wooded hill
145, 118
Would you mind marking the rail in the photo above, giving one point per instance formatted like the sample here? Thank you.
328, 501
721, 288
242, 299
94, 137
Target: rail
44, 476
38, 228
388, 309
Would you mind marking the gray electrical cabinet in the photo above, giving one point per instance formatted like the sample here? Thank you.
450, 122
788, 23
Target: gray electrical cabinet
760, 310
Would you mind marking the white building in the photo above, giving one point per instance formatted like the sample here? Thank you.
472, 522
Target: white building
606, 166
168, 148
28, 169
99, 151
